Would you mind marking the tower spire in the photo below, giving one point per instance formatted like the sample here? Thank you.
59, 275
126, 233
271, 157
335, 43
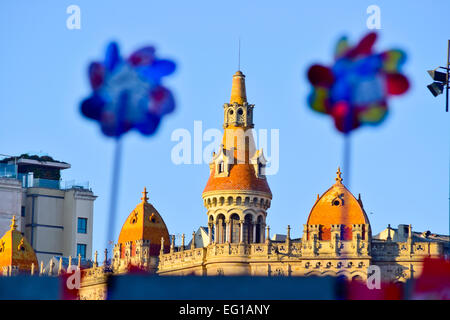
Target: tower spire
238, 93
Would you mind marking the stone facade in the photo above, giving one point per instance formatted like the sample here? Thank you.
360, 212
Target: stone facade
337, 238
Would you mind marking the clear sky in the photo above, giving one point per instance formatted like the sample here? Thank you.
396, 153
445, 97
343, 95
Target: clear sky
401, 168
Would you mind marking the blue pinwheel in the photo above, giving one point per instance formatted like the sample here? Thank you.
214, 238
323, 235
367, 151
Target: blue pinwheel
128, 94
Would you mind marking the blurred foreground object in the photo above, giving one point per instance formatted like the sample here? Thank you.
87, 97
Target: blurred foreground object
128, 94
138, 287
434, 284
355, 89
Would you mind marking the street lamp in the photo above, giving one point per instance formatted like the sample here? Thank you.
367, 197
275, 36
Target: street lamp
441, 79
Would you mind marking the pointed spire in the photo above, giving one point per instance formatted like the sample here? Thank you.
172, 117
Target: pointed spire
193, 240
238, 93
339, 175
96, 259
13, 223
172, 243
144, 195
60, 266
50, 268
42, 268
162, 245
105, 262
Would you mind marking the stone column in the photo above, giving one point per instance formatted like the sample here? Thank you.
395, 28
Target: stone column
228, 231
95, 259
172, 243
210, 233
263, 227
241, 231
162, 246
268, 234
254, 232
193, 241
106, 257
221, 231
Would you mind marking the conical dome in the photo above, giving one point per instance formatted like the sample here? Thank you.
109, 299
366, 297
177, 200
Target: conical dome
145, 223
16, 251
337, 206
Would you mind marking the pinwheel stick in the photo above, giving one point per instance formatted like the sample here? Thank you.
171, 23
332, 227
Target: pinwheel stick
347, 158
123, 100
114, 190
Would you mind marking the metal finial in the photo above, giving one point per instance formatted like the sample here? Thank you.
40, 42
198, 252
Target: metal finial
13, 223
339, 175
144, 195
239, 54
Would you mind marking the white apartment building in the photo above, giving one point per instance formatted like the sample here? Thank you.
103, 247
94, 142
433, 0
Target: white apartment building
56, 218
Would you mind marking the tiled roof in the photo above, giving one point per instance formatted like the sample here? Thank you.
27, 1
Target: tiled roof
337, 206
145, 223
241, 177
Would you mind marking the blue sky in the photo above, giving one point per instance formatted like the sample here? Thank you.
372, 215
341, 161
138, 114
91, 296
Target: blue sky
401, 168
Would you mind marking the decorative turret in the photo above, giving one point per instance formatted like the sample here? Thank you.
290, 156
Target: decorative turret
237, 194
238, 113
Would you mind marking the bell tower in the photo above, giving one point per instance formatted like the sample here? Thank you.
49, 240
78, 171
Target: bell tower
237, 194
238, 113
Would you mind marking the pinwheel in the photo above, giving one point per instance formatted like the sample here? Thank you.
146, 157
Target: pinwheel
127, 94
355, 90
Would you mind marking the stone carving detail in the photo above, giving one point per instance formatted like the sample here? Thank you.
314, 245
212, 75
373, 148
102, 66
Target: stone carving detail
279, 272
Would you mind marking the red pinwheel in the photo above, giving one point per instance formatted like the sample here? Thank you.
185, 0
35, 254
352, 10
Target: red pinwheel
354, 91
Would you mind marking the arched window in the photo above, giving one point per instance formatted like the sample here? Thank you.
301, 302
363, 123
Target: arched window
234, 228
220, 232
259, 230
248, 229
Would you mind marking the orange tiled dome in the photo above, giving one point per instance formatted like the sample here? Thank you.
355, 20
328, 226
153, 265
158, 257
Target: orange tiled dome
338, 206
241, 177
145, 223
16, 251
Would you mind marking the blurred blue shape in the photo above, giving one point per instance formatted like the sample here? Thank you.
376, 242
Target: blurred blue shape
29, 288
141, 287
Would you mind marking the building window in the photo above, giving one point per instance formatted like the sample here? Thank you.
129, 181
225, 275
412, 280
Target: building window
22, 211
81, 250
82, 225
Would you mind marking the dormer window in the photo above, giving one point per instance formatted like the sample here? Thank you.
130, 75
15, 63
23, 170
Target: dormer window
260, 168
220, 163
